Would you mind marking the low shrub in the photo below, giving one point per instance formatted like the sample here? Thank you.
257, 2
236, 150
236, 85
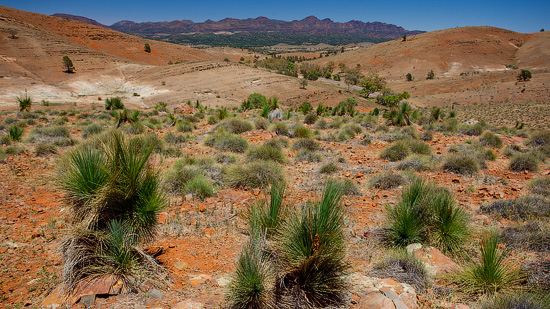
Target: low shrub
524, 162
521, 300
512, 149
403, 267
177, 139
256, 174
540, 185
92, 129
15, 133
460, 163
200, 187
532, 236
212, 119
306, 144
417, 163
539, 138
237, 125
471, 130
44, 149
310, 118
386, 181
185, 126
523, 208
280, 128
227, 142
266, 152
308, 155
329, 168
418, 147
490, 139
351, 129
300, 131
261, 124
279, 142
395, 152
321, 124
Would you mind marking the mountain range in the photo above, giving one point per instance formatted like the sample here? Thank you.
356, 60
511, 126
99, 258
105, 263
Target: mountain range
308, 30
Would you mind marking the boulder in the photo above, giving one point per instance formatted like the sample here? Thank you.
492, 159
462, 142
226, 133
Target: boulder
436, 262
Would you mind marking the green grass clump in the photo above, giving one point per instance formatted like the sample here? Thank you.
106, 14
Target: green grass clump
491, 274
395, 152
418, 147
280, 128
540, 185
92, 129
255, 174
520, 300
279, 142
321, 124
524, 162
306, 144
212, 119
490, 139
237, 125
310, 118
539, 138
5, 140
15, 133
308, 155
176, 139
266, 152
312, 253
266, 215
386, 181
352, 129
460, 163
471, 130
427, 214
113, 196
329, 168
58, 135
200, 187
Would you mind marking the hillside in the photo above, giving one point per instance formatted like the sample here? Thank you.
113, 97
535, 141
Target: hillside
471, 64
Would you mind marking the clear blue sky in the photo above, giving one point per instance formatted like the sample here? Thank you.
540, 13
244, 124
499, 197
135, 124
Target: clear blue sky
520, 16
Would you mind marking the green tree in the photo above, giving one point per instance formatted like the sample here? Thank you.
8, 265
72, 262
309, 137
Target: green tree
409, 77
524, 75
372, 83
147, 48
303, 83
68, 64
404, 38
431, 75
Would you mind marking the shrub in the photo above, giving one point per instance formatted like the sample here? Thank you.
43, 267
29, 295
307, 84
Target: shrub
25, 103
237, 125
540, 185
352, 129
44, 149
321, 124
177, 177
306, 144
109, 226
212, 119
227, 142
491, 274
329, 168
427, 136
256, 174
310, 118
185, 126
403, 267
539, 138
59, 135
395, 152
524, 208
14, 150
417, 163
15, 133
516, 301
511, 150
254, 100
490, 139
418, 147
524, 162
300, 131
280, 128
471, 130
92, 129
266, 152
261, 124
533, 236
172, 138
134, 128
266, 216
5, 140
200, 187
279, 142
308, 155
386, 181
460, 163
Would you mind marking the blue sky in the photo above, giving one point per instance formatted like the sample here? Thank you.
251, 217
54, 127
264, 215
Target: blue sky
520, 16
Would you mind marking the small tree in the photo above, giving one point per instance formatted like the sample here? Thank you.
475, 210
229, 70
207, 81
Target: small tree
13, 33
404, 38
25, 103
524, 75
303, 83
542, 30
147, 48
431, 75
68, 64
409, 77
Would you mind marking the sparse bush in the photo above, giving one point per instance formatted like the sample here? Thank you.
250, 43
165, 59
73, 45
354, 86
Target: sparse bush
539, 138
300, 131
261, 124
516, 301
227, 142
417, 163
25, 103
92, 129
490, 139
329, 168
308, 155
177, 177
492, 274
310, 118
14, 150
511, 150
427, 136
279, 142
185, 126
395, 152
237, 125
524, 162
280, 128
177, 139
212, 119
532, 236
306, 144
255, 174
524, 208
541, 186
5, 140
461, 163
386, 181
266, 152
113, 103
418, 147
403, 267
44, 149
200, 187
321, 124
59, 135
471, 130
134, 128
352, 129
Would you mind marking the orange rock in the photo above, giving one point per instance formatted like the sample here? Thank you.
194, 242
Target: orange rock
202, 208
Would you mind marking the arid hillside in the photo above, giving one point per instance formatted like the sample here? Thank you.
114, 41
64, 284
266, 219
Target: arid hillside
471, 64
109, 63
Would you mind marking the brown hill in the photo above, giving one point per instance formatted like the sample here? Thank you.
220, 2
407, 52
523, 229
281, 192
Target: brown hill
471, 64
